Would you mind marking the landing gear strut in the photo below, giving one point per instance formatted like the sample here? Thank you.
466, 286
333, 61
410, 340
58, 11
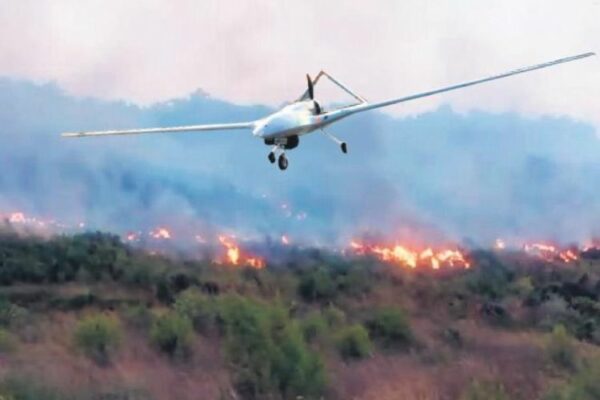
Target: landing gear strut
282, 162
343, 145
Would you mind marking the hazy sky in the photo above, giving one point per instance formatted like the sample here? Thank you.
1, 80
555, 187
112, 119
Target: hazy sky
256, 52
517, 158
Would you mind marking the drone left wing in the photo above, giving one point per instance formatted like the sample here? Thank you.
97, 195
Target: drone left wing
175, 129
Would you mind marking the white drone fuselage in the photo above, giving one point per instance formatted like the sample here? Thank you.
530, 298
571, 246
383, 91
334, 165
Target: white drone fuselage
296, 119
283, 128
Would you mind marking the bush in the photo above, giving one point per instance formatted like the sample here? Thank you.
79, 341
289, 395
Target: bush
173, 334
353, 342
314, 327
492, 278
268, 352
390, 326
16, 388
585, 385
11, 314
317, 285
334, 316
198, 307
8, 342
560, 349
478, 390
98, 335
138, 316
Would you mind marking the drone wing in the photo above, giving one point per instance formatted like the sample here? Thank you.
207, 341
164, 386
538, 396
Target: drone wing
175, 129
365, 107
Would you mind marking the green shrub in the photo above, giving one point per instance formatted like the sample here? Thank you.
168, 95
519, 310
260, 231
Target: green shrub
8, 342
173, 334
17, 388
334, 317
317, 285
314, 326
98, 335
353, 342
355, 281
268, 352
492, 278
11, 314
484, 390
390, 326
560, 349
523, 286
585, 385
138, 316
198, 307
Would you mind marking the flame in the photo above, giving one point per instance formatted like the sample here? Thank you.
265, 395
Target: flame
17, 218
236, 257
132, 237
550, 252
160, 233
412, 258
500, 244
400, 253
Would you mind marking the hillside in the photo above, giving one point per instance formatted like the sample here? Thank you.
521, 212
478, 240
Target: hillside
88, 317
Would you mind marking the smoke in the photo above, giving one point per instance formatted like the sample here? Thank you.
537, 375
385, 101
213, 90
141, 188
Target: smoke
441, 175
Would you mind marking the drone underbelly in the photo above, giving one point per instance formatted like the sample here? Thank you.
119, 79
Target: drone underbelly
288, 130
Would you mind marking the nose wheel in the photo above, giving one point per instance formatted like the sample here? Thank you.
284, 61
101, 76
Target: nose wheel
282, 162
271, 157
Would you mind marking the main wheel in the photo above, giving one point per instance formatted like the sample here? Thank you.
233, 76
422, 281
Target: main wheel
271, 157
282, 162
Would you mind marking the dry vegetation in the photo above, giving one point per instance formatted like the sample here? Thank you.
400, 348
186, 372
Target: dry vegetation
86, 317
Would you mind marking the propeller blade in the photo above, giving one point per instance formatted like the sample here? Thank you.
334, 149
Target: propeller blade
311, 92
317, 108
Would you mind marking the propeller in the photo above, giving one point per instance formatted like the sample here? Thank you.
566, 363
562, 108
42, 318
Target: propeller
311, 95
311, 89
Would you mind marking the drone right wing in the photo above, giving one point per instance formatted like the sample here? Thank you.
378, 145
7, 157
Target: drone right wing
371, 106
175, 129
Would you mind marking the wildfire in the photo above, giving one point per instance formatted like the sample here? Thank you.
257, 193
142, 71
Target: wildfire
132, 236
160, 233
17, 218
411, 257
236, 257
402, 254
550, 252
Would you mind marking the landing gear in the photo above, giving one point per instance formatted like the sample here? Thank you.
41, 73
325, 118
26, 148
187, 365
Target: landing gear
277, 153
342, 145
282, 162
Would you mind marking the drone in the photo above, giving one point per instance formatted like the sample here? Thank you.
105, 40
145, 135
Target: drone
282, 129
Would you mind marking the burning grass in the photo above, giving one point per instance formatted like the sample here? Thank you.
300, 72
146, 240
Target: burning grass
363, 323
